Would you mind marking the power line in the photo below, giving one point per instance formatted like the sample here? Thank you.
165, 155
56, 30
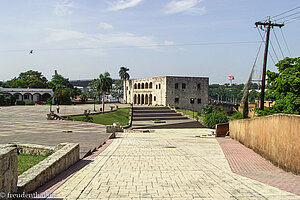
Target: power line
136, 46
287, 16
292, 20
285, 12
285, 43
263, 39
274, 51
278, 43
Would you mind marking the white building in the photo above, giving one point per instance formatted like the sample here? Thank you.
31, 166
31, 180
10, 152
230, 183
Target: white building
30, 94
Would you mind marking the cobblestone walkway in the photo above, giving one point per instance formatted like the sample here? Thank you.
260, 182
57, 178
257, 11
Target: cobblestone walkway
165, 164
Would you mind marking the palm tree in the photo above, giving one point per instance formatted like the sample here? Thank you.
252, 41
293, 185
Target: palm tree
124, 76
104, 84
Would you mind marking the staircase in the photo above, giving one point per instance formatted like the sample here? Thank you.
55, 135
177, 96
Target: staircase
149, 117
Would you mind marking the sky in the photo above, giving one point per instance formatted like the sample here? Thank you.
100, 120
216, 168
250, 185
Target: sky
84, 38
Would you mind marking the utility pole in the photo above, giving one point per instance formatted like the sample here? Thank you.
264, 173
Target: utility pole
269, 25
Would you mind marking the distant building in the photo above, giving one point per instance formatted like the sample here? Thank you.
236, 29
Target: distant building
30, 94
253, 106
183, 92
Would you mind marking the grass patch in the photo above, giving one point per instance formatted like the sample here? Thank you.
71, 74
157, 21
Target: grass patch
121, 116
26, 161
190, 114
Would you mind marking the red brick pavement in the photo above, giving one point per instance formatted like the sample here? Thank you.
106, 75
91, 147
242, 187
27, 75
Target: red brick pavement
246, 162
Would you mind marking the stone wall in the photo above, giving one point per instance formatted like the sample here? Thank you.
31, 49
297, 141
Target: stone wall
185, 95
66, 155
276, 137
163, 91
8, 170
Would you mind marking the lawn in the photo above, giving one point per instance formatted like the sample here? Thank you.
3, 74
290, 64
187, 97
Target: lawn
190, 113
121, 116
26, 161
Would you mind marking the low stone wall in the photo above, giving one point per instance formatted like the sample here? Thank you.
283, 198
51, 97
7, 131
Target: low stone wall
276, 137
35, 149
66, 155
8, 171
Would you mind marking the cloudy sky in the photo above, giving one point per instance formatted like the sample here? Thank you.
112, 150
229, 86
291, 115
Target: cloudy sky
83, 38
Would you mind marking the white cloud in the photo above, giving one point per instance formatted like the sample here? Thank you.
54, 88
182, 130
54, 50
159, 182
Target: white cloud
185, 6
167, 43
106, 26
64, 7
123, 4
100, 40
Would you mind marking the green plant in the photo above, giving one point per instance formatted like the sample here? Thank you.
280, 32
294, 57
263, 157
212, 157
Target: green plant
87, 117
29, 103
237, 115
20, 103
214, 118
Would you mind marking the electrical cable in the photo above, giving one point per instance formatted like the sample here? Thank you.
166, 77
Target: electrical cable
285, 12
137, 46
274, 50
278, 43
292, 20
287, 16
265, 43
285, 43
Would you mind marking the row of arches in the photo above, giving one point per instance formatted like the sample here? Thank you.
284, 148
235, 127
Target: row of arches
143, 85
35, 97
143, 99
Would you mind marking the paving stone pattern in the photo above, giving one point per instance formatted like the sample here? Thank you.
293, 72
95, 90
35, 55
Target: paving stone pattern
29, 124
246, 162
165, 164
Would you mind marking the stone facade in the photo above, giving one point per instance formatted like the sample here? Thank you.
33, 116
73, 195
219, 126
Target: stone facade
184, 92
8, 171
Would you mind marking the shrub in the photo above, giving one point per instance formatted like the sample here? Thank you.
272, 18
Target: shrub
214, 118
87, 117
29, 103
237, 115
20, 103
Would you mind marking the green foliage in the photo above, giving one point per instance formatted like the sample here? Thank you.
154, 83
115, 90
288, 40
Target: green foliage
284, 87
267, 111
123, 73
87, 117
117, 89
29, 79
237, 115
216, 117
29, 103
63, 89
20, 102
6, 100
121, 116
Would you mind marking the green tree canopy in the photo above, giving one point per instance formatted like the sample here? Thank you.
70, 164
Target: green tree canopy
284, 86
29, 79
63, 89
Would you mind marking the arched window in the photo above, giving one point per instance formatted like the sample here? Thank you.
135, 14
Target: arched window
135, 86
139, 86
150, 85
143, 85
146, 86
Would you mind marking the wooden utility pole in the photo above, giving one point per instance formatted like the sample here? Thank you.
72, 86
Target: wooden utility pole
269, 25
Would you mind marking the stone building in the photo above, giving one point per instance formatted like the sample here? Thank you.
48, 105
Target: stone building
30, 94
183, 92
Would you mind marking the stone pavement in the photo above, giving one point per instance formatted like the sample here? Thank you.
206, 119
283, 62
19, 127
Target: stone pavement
164, 164
29, 124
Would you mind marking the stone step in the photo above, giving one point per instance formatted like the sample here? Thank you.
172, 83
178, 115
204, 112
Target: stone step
158, 118
156, 114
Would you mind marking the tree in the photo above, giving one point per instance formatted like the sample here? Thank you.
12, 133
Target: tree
117, 89
29, 79
63, 89
284, 86
124, 76
104, 84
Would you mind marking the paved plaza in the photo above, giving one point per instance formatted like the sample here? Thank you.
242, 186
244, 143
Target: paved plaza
164, 164
29, 124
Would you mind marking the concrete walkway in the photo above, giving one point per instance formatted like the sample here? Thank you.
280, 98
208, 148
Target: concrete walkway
165, 164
